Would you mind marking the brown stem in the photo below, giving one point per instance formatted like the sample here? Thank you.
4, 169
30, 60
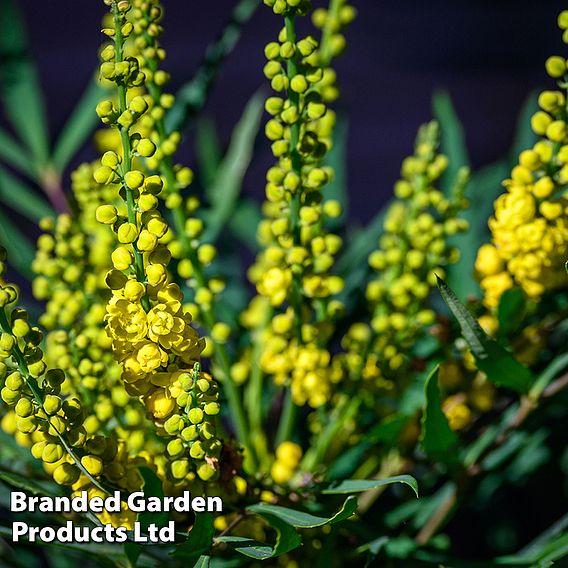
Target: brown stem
50, 181
525, 408
436, 520
231, 526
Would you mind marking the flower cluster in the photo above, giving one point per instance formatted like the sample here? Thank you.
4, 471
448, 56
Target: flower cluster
529, 227
294, 269
413, 249
151, 332
53, 425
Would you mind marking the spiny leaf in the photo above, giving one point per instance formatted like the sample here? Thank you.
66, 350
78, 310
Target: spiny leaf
287, 539
438, 440
299, 519
359, 485
496, 362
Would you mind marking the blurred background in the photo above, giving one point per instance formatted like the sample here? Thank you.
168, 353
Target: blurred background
487, 54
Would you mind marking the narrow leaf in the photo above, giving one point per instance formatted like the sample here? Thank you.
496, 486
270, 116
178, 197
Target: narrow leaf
19, 481
244, 222
496, 362
20, 250
359, 485
13, 154
438, 440
22, 198
337, 159
208, 150
203, 562
192, 96
299, 519
453, 138
225, 190
483, 189
20, 87
80, 124
558, 365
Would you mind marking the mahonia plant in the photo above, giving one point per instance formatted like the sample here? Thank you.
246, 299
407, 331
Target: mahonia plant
151, 332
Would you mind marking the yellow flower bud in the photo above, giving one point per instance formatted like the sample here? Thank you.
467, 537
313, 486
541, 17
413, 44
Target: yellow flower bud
556, 66
127, 233
106, 214
66, 474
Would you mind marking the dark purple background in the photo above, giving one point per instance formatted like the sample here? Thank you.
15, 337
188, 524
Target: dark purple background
488, 53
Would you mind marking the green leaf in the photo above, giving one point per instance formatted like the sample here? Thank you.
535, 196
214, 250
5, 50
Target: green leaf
302, 520
352, 266
483, 188
337, 159
225, 190
557, 365
244, 222
208, 150
359, 485
453, 138
438, 440
511, 311
22, 198
203, 562
199, 539
192, 96
524, 136
287, 539
13, 154
496, 362
20, 87
152, 488
19, 481
20, 250
79, 126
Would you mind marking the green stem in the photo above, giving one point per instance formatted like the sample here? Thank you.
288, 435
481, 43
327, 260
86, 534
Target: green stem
289, 411
127, 159
253, 399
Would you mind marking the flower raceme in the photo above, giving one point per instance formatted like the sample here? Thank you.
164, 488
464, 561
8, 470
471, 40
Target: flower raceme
50, 423
529, 229
293, 272
413, 249
152, 337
